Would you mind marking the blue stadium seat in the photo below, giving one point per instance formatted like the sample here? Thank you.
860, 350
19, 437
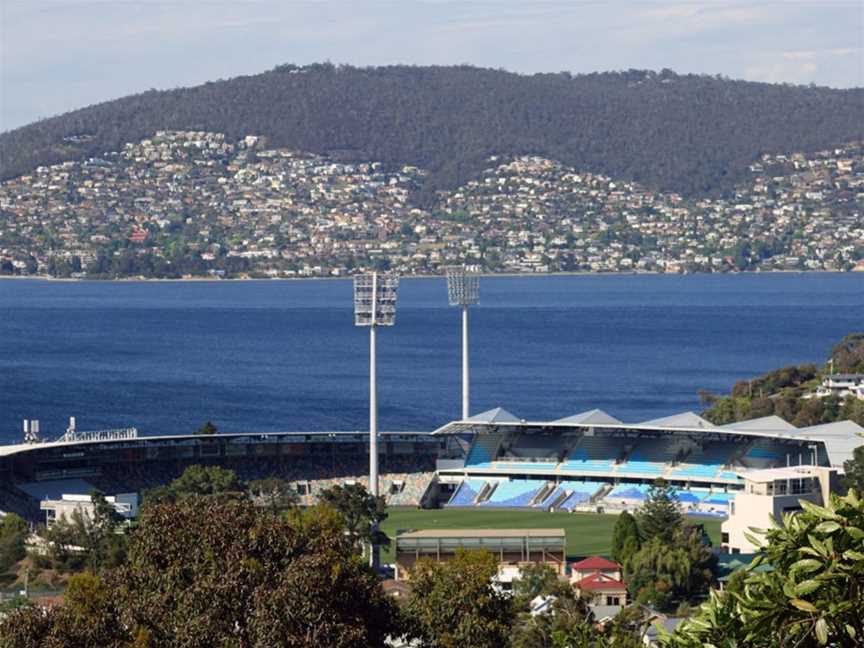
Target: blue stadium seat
466, 493
514, 494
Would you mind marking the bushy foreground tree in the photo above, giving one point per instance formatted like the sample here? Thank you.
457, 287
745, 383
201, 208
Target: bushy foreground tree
205, 572
813, 597
454, 604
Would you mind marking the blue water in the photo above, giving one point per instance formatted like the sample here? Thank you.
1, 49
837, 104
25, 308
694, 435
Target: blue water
165, 357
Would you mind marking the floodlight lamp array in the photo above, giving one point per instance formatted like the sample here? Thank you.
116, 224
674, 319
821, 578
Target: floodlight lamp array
463, 287
375, 299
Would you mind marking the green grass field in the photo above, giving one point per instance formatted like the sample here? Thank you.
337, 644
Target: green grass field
587, 533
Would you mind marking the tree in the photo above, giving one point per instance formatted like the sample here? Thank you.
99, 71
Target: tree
454, 604
660, 516
848, 354
665, 572
213, 573
272, 492
534, 580
855, 470
625, 537
813, 596
570, 623
361, 511
657, 573
209, 572
207, 429
13, 537
199, 481
88, 617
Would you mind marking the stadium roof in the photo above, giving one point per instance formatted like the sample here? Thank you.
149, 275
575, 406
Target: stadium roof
497, 415
682, 420
590, 417
190, 439
771, 423
840, 438
56, 488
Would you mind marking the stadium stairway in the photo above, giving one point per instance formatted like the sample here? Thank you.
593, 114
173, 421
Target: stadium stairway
483, 449
544, 494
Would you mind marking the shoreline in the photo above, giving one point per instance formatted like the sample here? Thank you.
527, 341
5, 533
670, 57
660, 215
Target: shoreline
484, 275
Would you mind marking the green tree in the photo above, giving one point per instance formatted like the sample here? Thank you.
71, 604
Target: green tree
207, 429
848, 354
13, 538
813, 596
665, 573
534, 580
570, 623
199, 481
454, 604
272, 492
854, 469
223, 573
625, 537
88, 618
660, 515
361, 511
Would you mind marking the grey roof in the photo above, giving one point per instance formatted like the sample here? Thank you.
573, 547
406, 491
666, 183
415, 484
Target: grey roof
497, 415
682, 420
589, 417
771, 423
840, 438
56, 488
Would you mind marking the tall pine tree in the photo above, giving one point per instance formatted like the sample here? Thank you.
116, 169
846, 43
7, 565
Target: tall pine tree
661, 516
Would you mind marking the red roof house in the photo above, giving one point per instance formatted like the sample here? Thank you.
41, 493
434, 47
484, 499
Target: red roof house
600, 581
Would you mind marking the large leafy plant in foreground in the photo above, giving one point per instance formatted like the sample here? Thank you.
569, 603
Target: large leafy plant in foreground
813, 596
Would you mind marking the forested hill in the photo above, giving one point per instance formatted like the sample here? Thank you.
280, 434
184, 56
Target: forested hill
691, 134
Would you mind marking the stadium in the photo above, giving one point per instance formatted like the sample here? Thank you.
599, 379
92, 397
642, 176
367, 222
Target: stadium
588, 462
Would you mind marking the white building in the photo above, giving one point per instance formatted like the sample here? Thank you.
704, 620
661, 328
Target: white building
126, 504
773, 492
842, 385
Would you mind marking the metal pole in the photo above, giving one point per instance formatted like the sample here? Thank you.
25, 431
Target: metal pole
373, 416
465, 376
374, 554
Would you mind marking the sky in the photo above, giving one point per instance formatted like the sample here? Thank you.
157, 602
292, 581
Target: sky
58, 55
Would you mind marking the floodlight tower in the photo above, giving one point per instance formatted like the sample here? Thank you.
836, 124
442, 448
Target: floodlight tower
463, 289
374, 305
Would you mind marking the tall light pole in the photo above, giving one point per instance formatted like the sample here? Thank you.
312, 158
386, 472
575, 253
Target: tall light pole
374, 305
463, 289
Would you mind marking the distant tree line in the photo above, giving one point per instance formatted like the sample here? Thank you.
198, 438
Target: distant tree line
687, 133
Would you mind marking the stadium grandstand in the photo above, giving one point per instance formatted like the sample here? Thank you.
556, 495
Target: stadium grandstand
494, 460
37, 471
595, 462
